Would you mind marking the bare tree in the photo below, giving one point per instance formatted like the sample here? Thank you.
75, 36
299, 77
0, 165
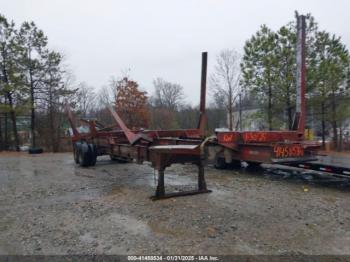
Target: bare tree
225, 80
105, 96
167, 95
86, 99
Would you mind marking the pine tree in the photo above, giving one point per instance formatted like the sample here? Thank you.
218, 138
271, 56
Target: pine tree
9, 74
33, 50
260, 68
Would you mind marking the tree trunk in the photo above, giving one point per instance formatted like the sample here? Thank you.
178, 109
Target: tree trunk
13, 119
269, 113
290, 118
51, 124
32, 118
52, 127
10, 101
323, 124
52, 132
230, 108
1, 138
230, 115
6, 142
335, 135
58, 131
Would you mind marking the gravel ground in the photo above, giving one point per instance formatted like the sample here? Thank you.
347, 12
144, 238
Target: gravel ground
48, 205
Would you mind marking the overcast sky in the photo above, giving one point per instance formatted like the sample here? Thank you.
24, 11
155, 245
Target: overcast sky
160, 38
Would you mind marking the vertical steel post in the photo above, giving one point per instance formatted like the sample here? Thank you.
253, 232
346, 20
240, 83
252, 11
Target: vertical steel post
202, 185
301, 73
240, 110
160, 192
202, 117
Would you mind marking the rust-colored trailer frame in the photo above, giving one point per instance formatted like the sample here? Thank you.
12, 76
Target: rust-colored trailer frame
160, 147
165, 147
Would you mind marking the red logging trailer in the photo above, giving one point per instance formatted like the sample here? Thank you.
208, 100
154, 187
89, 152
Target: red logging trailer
160, 147
270, 146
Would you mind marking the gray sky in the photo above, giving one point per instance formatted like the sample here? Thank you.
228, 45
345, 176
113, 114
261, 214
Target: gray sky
160, 38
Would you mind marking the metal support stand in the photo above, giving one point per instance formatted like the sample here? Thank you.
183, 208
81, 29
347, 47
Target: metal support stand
202, 185
160, 187
160, 192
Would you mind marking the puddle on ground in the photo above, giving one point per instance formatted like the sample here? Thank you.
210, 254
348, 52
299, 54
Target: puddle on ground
129, 224
84, 194
87, 238
170, 179
118, 190
165, 229
330, 199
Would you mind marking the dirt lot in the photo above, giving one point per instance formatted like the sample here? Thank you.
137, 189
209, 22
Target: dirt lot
48, 205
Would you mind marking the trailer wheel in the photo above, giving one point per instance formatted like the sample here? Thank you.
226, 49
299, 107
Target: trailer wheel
84, 156
76, 148
92, 154
220, 163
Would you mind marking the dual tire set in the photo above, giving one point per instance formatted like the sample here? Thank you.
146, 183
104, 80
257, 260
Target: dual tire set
84, 154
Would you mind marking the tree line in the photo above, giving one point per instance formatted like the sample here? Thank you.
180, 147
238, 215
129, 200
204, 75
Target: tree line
165, 108
35, 83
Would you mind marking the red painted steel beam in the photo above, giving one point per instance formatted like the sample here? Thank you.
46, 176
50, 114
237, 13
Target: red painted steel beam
71, 120
202, 117
301, 73
130, 135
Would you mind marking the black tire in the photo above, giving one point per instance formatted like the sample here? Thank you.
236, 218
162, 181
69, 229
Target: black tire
93, 161
35, 150
92, 155
84, 156
76, 148
220, 163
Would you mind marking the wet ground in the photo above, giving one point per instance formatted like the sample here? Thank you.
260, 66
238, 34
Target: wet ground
48, 205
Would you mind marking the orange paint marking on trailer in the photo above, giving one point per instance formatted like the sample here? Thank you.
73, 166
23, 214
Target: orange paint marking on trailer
254, 137
228, 137
288, 151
